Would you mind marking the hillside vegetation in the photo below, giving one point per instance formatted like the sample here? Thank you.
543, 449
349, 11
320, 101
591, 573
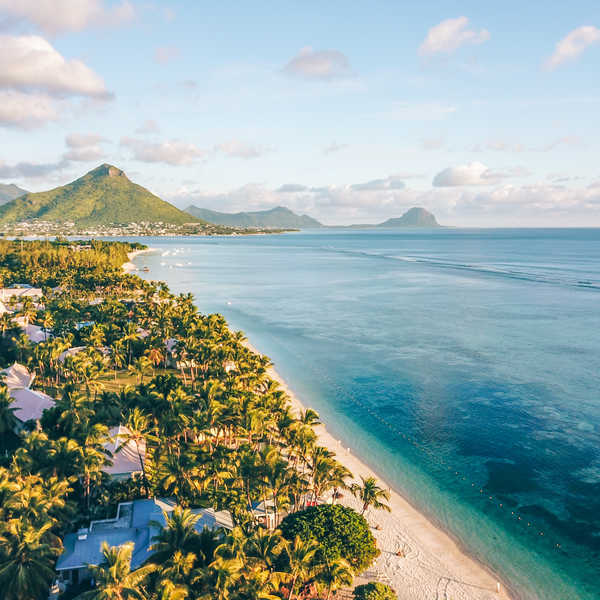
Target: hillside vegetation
102, 196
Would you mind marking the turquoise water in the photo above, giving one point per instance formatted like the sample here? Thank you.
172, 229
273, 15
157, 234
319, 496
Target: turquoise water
463, 365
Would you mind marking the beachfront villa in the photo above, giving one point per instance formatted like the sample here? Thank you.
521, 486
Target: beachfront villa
125, 457
20, 291
29, 404
137, 522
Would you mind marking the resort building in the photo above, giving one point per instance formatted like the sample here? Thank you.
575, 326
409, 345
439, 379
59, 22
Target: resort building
29, 404
20, 291
125, 457
137, 522
3, 309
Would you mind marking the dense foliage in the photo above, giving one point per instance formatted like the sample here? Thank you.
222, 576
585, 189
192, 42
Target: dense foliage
102, 196
340, 531
219, 433
374, 590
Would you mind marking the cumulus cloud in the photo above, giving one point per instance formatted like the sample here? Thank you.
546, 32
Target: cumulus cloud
475, 173
165, 54
172, 152
318, 64
572, 45
27, 170
449, 35
148, 126
84, 147
389, 183
236, 149
26, 111
31, 63
57, 16
537, 204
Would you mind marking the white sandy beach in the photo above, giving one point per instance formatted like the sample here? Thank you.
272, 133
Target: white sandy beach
433, 566
129, 266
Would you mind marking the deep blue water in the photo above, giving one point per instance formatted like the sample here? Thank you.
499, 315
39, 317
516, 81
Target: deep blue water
464, 365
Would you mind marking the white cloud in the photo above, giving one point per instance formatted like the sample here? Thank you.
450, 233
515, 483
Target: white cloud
475, 173
389, 183
236, 149
84, 147
56, 16
27, 170
572, 45
318, 64
30, 63
449, 35
26, 111
173, 152
420, 111
148, 126
165, 54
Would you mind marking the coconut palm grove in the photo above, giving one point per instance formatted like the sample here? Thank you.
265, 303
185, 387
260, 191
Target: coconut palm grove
146, 453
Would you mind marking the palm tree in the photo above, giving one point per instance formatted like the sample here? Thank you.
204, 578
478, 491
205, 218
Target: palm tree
370, 494
114, 578
301, 556
139, 432
8, 420
334, 574
27, 555
178, 535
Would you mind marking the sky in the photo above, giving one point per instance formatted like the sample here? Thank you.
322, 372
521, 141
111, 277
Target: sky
486, 114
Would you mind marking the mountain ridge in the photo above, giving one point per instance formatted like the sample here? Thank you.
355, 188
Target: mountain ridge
10, 191
102, 196
278, 217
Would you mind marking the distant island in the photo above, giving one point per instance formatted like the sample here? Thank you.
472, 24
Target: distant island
278, 217
414, 217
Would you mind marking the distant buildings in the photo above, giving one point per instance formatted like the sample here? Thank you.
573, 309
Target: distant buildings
20, 291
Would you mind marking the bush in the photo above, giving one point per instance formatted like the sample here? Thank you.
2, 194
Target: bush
374, 591
340, 531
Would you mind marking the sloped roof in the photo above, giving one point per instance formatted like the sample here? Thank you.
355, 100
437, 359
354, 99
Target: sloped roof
19, 292
17, 377
124, 459
70, 352
30, 404
3, 309
36, 334
139, 524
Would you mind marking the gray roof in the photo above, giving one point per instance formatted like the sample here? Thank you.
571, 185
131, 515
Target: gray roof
135, 522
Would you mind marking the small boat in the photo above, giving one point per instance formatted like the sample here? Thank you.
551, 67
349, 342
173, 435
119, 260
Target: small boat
145, 269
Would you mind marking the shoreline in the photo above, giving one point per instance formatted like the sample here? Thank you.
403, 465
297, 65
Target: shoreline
434, 565
129, 266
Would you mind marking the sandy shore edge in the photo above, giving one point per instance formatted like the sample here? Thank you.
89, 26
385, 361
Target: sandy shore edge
432, 565
129, 266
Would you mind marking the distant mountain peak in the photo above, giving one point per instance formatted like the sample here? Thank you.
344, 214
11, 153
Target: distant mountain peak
9, 191
106, 170
417, 216
279, 217
102, 196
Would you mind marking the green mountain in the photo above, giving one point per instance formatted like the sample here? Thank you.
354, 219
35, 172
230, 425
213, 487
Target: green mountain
414, 217
102, 196
9, 192
275, 218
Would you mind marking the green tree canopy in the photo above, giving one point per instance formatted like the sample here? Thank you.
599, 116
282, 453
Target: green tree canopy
374, 591
340, 531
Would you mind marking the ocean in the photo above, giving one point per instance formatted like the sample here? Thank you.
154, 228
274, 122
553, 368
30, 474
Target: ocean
462, 364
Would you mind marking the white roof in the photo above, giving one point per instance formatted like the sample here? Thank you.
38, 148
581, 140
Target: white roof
3, 309
30, 404
6, 293
70, 352
17, 377
124, 459
36, 334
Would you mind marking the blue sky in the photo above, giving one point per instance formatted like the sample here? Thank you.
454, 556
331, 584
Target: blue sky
485, 115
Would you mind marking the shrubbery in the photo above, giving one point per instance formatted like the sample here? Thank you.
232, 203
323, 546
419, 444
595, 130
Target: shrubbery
374, 591
340, 531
